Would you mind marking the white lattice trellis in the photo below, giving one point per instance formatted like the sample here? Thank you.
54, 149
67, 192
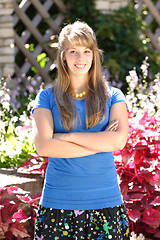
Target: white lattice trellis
22, 14
153, 14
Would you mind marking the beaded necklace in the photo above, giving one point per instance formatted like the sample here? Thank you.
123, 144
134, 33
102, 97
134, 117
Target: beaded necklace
78, 95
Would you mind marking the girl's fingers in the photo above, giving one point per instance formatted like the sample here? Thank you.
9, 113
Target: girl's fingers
112, 126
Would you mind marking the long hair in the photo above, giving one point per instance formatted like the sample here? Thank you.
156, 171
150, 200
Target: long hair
80, 34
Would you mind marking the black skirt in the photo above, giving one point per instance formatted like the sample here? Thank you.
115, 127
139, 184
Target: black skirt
107, 223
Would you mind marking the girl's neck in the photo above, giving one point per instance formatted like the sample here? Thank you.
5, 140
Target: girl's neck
79, 84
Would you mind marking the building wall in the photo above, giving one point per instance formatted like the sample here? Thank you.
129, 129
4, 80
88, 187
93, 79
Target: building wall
107, 6
6, 38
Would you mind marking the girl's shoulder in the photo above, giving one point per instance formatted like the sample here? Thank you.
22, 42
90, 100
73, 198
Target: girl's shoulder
45, 99
114, 91
116, 95
46, 93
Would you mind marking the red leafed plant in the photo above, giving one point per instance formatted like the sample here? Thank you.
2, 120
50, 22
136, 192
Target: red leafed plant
17, 213
138, 167
35, 165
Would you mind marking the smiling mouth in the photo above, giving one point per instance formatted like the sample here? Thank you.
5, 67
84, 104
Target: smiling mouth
80, 65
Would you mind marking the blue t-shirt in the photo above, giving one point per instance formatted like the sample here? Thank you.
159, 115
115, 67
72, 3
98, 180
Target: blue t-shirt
82, 183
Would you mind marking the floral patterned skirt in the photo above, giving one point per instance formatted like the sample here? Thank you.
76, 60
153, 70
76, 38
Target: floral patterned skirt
107, 223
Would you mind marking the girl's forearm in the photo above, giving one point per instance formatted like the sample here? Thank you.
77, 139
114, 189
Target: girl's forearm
106, 141
61, 149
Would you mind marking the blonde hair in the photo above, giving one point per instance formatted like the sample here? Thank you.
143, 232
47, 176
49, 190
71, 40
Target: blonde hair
80, 34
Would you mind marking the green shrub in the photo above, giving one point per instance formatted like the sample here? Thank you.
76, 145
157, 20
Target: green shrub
119, 35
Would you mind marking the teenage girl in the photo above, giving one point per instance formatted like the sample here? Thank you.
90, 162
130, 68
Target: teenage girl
78, 124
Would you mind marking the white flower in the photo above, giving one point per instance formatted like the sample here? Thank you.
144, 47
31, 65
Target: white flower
30, 105
14, 119
22, 118
18, 147
1, 93
6, 105
133, 73
134, 236
144, 67
128, 79
141, 237
2, 125
134, 100
6, 146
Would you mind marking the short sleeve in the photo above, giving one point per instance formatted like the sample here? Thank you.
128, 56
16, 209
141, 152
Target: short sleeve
116, 96
43, 100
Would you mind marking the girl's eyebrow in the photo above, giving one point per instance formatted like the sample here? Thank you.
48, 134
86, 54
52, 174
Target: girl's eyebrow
71, 48
74, 48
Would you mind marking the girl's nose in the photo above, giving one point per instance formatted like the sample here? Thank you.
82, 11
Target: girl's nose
80, 55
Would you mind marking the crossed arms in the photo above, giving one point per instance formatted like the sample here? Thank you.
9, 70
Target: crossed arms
79, 144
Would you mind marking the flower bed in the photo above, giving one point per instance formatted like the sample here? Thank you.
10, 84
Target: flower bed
138, 167
17, 213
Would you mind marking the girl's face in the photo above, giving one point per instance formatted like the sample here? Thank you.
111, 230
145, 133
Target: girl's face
79, 60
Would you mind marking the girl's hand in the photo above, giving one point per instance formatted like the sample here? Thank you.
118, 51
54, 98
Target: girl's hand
112, 126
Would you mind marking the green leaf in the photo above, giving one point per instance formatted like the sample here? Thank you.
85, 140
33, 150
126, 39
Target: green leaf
10, 135
41, 56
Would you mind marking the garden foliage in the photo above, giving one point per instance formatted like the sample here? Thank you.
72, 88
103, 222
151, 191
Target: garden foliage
138, 167
120, 35
143, 94
16, 137
17, 213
